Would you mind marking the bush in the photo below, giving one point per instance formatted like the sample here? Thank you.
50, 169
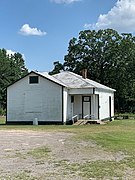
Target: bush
2, 112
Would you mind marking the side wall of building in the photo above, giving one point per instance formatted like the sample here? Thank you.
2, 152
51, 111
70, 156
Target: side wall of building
106, 104
26, 101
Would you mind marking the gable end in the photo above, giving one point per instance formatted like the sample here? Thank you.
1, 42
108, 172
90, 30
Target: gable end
36, 73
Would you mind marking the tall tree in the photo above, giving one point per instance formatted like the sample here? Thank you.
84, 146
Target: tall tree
11, 68
109, 58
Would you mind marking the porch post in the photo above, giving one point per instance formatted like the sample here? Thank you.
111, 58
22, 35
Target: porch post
94, 104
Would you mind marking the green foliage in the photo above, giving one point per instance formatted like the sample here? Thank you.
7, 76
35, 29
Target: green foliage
12, 67
109, 58
2, 112
57, 68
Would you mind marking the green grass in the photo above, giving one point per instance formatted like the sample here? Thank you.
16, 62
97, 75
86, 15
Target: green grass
22, 175
125, 114
116, 136
118, 141
94, 169
2, 120
40, 153
98, 169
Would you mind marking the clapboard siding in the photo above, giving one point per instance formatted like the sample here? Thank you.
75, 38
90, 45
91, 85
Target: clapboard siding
29, 101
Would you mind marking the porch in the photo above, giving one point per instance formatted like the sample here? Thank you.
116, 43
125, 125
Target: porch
84, 107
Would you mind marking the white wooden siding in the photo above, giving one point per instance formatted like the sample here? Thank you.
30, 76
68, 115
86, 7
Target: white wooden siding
43, 101
29, 101
104, 103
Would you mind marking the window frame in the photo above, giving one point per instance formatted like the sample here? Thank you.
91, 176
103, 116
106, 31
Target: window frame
33, 79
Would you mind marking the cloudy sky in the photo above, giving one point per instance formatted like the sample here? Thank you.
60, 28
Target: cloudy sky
41, 29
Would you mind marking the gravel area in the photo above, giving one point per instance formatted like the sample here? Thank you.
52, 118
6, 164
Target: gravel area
19, 160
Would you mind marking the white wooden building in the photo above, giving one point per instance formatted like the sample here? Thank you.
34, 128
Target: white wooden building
58, 98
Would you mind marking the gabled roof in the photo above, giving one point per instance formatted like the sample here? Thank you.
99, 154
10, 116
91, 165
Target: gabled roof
51, 78
69, 80
73, 80
43, 75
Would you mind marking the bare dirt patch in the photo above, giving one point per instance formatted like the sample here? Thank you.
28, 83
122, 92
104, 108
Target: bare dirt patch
47, 155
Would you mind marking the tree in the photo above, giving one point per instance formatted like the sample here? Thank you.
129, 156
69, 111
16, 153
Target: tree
125, 87
57, 68
109, 58
11, 68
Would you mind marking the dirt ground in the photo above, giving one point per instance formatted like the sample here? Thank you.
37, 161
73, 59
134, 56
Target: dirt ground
21, 158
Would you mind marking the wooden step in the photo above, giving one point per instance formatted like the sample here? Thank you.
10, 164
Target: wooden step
88, 121
79, 122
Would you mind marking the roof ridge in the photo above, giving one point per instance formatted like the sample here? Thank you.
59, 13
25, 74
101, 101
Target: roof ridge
79, 76
58, 80
85, 80
48, 76
78, 79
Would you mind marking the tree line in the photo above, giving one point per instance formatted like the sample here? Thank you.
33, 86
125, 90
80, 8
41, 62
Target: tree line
12, 67
109, 58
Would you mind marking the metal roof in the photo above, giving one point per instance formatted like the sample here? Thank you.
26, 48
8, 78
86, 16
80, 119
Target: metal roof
72, 80
69, 80
52, 78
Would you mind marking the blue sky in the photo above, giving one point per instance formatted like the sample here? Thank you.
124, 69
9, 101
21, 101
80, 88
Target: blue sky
41, 29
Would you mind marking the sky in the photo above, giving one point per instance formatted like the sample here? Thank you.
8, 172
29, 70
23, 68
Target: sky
41, 29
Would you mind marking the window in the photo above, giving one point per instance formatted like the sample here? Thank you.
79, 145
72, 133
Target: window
86, 99
33, 79
72, 99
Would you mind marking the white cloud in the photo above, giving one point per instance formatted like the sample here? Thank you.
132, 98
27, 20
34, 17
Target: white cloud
121, 17
87, 26
28, 31
10, 52
64, 1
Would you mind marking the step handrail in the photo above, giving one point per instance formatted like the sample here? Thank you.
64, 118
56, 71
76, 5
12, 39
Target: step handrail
74, 117
86, 116
91, 116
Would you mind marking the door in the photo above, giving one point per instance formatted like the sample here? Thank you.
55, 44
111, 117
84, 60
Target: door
86, 106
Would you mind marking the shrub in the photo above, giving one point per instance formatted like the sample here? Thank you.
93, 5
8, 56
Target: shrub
2, 112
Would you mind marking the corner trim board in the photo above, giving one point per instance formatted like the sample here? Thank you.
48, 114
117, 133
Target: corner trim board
62, 105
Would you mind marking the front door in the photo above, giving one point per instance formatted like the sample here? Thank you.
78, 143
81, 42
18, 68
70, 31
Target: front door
86, 106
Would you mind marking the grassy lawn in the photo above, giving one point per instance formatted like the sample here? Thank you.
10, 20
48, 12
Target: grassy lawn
116, 136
